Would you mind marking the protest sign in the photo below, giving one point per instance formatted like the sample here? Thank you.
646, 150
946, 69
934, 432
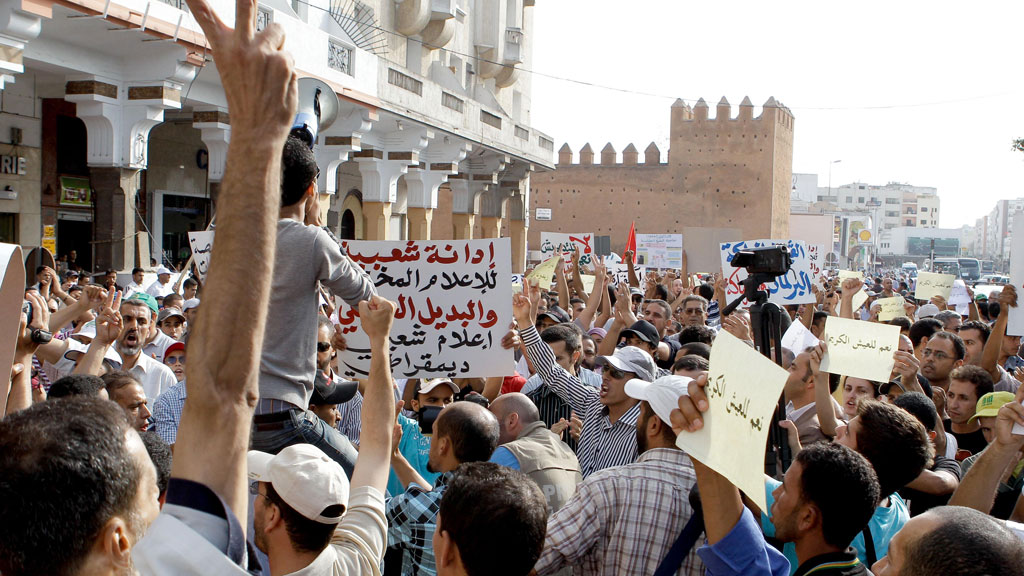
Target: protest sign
660, 250
959, 293
815, 259
544, 273
553, 243
860, 349
844, 274
588, 282
12, 295
621, 272
1015, 321
793, 288
859, 299
890, 308
798, 338
743, 391
202, 247
454, 305
930, 284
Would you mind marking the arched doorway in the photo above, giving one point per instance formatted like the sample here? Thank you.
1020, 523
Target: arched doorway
348, 226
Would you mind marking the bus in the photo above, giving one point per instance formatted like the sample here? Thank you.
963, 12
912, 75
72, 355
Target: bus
970, 269
987, 267
946, 266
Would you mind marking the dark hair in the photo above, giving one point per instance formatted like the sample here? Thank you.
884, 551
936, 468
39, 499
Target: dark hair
136, 270
476, 398
118, 379
160, 454
76, 385
472, 430
496, 516
993, 308
701, 334
566, 332
111, 271
822, 316
575, 300
895, 443
71, 457
920, 407
697, 348
975, 375
924, 328
666, 308
172, 297
958, 344
705, 291
75, 288
984, 329
660, 292
695, 298
305, 535
298, 170
40, 269
668, 436
967, 542
902, 321
844, 487
190, 282
690, 362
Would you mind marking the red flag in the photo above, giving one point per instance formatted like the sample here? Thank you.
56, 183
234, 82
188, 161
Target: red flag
631, 241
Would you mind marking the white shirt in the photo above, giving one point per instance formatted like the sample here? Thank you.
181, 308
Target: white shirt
158, 347
155, 377
158, 290
133, 288
793, 414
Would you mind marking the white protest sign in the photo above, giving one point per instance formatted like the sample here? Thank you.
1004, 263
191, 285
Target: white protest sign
860, 349
798, 338
621, 272
588, 282
743, 392
202, 246
930, 284
815, 259
844, 274
793, 288
890, 308
12, 296
454, 301
859, 299
660, 250
553, 242
959, 293
1015, 321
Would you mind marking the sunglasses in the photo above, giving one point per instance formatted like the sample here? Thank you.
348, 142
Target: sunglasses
174, 360
323, 346
615, 372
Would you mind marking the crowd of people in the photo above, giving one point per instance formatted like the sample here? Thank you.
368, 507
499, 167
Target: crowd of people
144, 432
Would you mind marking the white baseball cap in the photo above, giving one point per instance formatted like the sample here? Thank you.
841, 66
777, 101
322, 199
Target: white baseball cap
927, 311
662, 394
632, 359
427, 385
162, 270
305, 478
189, 304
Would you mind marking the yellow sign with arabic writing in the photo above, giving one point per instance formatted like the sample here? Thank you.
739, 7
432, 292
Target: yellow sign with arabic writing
860, 349
544, 273
588, 282
891, 308
743, 391
930, 284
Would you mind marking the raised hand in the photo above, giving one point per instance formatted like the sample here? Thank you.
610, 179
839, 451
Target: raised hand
688, 414
338, 341
522, 310
906, 364
1007, 298
376, 316
109, 322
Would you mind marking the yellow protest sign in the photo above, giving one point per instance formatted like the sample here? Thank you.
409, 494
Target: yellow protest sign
517, 288
544, 273
588, 282
930, 284
860, 349
844, 274
859, 299
743, 391
891, 308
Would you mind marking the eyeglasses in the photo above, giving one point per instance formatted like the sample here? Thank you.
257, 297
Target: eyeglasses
254, 489
174, 360
693, 311
938, 355
323, 346
615, 372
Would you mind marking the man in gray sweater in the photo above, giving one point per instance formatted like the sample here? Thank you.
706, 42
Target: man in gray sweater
306, 256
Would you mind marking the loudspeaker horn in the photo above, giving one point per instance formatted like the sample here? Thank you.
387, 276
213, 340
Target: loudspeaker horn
318, 109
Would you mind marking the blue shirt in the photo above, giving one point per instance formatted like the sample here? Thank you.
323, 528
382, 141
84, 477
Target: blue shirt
884, 524
415, 447
505, 457
743, 551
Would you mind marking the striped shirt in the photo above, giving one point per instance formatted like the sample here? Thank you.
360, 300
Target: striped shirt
603, 444
624, 520
167, 412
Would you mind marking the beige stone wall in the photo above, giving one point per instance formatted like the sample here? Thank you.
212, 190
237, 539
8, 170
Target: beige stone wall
722, 172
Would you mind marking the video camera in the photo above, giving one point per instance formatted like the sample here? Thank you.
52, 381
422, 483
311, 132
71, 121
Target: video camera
771, 261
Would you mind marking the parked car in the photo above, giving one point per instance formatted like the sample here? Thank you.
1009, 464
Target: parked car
996, 279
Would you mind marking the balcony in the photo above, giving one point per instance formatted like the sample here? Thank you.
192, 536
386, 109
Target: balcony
513, 45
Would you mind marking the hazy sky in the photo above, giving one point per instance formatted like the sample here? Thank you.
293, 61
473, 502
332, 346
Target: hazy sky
930, 94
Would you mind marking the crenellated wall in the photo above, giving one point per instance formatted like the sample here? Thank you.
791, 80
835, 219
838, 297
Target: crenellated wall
722, 171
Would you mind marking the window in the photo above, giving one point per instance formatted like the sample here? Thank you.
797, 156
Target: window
860, 200
924, 209
849, 199
909, 223
339, 57
892, 200
264, 16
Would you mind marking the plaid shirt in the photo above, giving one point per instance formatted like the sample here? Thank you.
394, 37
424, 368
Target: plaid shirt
603, 444
412, 518
167, 412
624, 520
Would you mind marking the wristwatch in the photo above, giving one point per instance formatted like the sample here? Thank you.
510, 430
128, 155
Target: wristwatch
40, 336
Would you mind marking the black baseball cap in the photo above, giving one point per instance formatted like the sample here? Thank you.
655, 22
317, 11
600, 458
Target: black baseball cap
643, 330
556, 314
326, 392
